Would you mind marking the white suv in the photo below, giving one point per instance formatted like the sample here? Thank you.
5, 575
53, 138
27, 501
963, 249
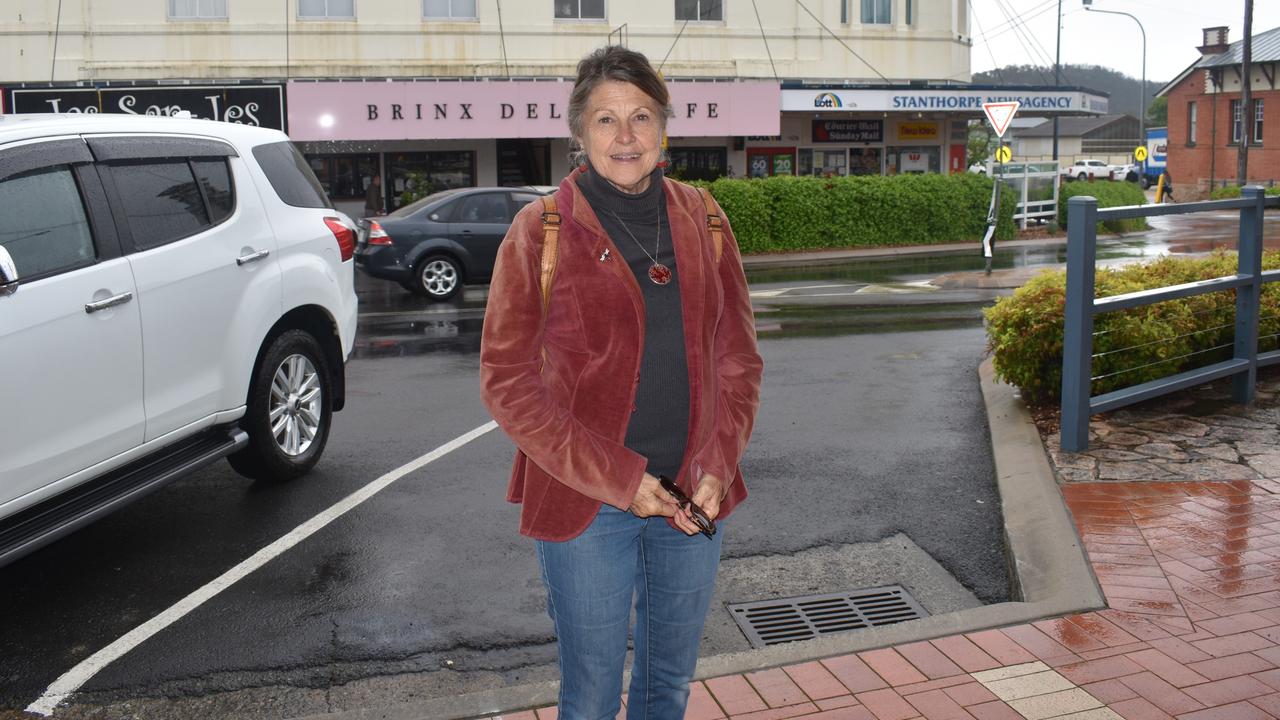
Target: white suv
172, 291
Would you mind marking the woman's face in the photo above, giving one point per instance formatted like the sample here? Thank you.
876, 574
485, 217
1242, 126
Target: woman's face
622, 134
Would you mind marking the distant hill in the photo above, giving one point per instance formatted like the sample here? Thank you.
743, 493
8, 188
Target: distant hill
1124, 90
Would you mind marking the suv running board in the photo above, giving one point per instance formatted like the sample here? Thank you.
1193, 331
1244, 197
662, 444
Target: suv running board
47, 521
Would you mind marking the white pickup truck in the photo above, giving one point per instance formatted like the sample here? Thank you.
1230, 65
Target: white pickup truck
1087, 170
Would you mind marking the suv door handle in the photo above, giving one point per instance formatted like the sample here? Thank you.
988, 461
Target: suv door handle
251, 257
110, 302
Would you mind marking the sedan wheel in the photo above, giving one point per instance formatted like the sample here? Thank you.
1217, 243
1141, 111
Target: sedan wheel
437, 277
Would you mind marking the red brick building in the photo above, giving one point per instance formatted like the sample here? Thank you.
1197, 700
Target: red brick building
1206, 119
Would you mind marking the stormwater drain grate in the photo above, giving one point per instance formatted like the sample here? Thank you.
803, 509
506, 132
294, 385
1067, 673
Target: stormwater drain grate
770, 622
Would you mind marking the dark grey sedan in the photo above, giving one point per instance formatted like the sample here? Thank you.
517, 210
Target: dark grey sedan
446, 240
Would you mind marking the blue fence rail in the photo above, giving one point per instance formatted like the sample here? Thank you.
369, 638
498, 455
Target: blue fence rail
1083, 216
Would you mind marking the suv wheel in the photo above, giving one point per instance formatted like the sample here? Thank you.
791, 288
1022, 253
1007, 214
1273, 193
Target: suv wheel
1082, 177
437, 277
289, 410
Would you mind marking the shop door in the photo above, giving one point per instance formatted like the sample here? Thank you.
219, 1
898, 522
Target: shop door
958, 153
524, 162
763, 162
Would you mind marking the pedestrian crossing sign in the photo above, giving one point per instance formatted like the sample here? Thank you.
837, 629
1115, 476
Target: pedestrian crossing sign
999, 114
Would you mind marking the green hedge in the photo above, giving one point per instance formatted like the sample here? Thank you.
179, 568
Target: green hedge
1025, 330
1231, 192
1109, 194
787, 213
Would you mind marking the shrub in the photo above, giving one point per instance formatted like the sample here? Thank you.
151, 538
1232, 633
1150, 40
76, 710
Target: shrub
1231, 192
787, 213
1108, 194
1025, 330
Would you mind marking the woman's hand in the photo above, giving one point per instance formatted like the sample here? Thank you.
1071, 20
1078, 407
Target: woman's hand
710, 491
652, 500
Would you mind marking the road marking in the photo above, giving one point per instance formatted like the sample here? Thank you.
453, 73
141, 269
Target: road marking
779, 291
73, 679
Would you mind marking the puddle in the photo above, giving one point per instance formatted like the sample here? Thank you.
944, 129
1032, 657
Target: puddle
790, 321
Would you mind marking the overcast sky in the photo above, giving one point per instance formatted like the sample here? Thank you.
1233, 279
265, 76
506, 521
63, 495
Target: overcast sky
1173, 32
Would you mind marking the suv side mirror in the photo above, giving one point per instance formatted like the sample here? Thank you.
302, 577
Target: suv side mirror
8, 274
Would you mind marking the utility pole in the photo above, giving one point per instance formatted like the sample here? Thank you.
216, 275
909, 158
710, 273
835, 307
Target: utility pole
1057, 77
1246, 97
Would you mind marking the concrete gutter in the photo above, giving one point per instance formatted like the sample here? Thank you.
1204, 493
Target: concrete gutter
1047, 566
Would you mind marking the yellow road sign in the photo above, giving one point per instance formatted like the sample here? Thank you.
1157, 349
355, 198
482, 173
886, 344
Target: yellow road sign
1004, 154
1139, 154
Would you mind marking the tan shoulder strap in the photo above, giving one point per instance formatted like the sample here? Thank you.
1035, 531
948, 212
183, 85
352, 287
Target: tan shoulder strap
714, 221
550, 246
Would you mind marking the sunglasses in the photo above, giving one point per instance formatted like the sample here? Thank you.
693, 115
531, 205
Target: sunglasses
705, 524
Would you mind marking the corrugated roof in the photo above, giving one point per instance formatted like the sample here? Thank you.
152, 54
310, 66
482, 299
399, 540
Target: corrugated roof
1070, 126
1266, 48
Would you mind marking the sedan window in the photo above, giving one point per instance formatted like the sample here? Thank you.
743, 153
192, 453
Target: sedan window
485, 208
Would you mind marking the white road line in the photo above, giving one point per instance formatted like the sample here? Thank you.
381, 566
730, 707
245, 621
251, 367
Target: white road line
73, 679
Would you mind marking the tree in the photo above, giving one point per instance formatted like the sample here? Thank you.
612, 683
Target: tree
1158, 112
981, 143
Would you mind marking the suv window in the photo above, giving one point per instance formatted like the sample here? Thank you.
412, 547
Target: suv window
215, 180
290, 175
161, 200
44, 227
485, 208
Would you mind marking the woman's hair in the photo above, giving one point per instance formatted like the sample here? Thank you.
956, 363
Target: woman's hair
613, 62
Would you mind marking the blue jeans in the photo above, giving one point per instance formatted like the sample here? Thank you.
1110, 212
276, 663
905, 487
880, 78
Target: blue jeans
591, 582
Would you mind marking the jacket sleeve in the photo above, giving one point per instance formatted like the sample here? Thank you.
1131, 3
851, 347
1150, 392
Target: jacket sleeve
514, 391
738, 365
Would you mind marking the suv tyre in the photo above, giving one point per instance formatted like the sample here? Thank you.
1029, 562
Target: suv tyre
289, 410
438, 277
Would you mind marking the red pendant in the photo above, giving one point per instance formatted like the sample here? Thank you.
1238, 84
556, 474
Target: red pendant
659, 273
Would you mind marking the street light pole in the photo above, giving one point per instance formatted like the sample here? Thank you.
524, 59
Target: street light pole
1142, 116
1057, 77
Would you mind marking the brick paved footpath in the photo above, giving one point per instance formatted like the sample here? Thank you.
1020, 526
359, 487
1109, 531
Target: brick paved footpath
1188, 556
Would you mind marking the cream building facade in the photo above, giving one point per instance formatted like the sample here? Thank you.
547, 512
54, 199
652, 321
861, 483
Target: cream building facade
473, 92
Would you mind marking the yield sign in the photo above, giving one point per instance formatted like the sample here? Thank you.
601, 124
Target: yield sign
999, 114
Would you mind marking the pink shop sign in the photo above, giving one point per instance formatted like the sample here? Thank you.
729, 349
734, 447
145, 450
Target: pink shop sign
485, 109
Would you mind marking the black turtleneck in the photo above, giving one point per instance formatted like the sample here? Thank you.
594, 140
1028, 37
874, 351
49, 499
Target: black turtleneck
660, 419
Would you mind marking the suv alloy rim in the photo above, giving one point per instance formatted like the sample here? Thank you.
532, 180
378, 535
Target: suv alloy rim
295, 405
439, 277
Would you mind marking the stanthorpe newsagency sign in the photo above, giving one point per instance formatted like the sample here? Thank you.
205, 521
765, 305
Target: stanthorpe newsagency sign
482, 109
261, 105
1043, 101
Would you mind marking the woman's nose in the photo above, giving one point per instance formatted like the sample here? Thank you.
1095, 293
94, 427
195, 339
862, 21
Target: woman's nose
625, 132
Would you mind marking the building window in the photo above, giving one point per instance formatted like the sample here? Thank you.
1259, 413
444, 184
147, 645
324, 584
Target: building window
344, 177
877, 12
1257, 122
579, 9
1191, 123
197, 9
700, 10
698, 163
449, 9
327, 9
909, 13
413, 175
1235, 121
844, 11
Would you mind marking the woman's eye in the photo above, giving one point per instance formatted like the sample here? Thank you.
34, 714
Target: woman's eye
605, 120
642, 117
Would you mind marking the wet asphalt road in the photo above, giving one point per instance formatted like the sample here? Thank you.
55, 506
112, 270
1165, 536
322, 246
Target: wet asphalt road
871, 427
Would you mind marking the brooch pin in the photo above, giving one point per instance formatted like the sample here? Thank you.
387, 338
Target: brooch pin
604, 256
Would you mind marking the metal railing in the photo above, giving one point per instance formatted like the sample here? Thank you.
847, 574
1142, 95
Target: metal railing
1026, 179
1083, 216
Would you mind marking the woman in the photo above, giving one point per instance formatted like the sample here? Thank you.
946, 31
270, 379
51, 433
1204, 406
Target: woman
643, 364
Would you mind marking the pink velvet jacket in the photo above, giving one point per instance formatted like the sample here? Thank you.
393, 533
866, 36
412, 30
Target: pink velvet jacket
568, 417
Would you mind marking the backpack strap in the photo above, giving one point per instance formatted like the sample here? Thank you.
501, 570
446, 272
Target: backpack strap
550, 246
714, 221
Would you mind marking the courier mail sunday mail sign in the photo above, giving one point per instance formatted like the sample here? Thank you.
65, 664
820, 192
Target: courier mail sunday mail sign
1037, 101
487, 109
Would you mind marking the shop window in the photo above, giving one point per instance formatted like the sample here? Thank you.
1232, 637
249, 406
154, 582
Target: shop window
449, 9
197, 9
914, 160
327, 9
697, 163
700, 10
877, 12
579, 9
1191, 123
1236, 120
344, 177
821, 162
1257, 122
763, 162
412, 175
864, 161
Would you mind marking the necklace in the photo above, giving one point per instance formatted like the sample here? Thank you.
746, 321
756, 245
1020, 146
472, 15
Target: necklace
660, 274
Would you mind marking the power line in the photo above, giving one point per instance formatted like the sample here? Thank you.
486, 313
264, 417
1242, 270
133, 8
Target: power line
841, 41
765, 39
